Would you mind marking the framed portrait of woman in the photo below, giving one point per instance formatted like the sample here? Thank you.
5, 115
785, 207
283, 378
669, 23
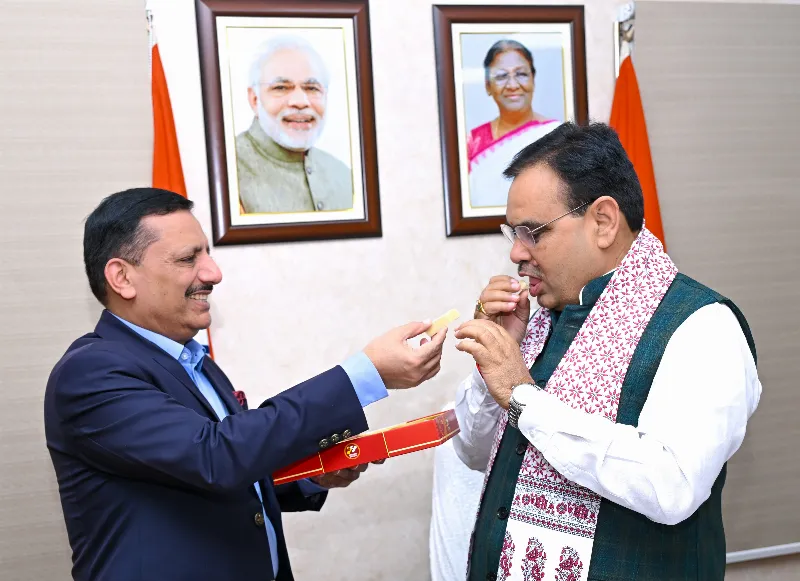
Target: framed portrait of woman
508, 75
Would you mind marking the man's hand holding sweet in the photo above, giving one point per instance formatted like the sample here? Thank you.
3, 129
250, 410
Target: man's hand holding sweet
399, 364
504, 301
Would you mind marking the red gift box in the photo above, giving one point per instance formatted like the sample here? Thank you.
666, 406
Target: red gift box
374, 445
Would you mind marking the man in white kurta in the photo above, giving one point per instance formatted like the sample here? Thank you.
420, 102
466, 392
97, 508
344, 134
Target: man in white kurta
606, 419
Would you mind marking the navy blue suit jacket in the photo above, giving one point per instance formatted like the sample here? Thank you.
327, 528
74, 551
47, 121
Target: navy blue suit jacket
154, 487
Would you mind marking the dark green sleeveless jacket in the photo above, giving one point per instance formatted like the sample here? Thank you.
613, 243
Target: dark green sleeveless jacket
627, 545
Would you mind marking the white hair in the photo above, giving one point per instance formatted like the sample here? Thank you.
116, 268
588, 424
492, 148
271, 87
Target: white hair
270, 47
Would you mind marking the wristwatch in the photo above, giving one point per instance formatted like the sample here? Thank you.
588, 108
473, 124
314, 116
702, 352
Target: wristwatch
518, 402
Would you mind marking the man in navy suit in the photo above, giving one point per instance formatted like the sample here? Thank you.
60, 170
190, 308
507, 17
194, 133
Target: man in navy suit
163, 475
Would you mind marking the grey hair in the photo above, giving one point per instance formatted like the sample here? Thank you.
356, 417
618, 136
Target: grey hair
265, 51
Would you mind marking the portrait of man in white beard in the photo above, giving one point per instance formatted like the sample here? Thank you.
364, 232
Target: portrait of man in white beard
279, 169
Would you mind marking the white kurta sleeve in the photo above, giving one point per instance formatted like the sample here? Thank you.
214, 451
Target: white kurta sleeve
478, 415
694, 419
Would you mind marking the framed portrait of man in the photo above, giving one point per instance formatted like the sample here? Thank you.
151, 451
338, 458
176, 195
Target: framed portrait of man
289, 118
508, 75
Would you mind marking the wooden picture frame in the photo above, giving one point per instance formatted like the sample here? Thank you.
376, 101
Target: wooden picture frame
289, 119
536, 78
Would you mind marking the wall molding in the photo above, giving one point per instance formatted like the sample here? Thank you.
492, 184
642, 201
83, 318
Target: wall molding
762, 553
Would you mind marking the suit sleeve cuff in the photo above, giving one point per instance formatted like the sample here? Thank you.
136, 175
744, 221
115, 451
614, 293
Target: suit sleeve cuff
309, 488
366, 380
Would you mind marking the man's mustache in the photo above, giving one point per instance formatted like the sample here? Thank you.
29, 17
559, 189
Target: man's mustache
525, 269
290, 112
199, 288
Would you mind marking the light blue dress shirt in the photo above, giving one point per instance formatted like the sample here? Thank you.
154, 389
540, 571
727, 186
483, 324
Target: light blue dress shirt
366, 380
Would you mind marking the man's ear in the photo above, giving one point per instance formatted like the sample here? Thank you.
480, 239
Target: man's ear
252, 99
607, 217
118, 277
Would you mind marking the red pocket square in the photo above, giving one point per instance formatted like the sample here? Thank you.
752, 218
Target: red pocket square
240, 397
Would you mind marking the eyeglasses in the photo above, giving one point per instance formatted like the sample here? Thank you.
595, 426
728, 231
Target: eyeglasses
528, 236
501, 78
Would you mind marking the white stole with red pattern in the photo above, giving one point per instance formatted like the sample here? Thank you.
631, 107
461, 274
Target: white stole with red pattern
552, 521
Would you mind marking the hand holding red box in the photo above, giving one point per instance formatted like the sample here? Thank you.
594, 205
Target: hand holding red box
371, 446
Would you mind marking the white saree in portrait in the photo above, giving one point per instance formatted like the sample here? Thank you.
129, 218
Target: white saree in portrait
489, 158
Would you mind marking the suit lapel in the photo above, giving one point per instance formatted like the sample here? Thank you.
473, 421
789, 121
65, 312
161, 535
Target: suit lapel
177, 371
224, 388
109, 327
221, 384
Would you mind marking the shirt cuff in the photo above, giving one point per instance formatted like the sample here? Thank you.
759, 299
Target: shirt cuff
538, 416
479, 394
309, 488
365, 378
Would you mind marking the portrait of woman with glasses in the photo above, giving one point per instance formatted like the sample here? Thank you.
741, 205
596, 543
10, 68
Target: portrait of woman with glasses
510, 77
506, 79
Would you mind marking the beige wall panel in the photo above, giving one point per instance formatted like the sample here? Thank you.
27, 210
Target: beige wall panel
721, 88
75, 120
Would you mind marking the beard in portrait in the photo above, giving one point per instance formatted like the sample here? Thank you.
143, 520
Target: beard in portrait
510, 82
279, 168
